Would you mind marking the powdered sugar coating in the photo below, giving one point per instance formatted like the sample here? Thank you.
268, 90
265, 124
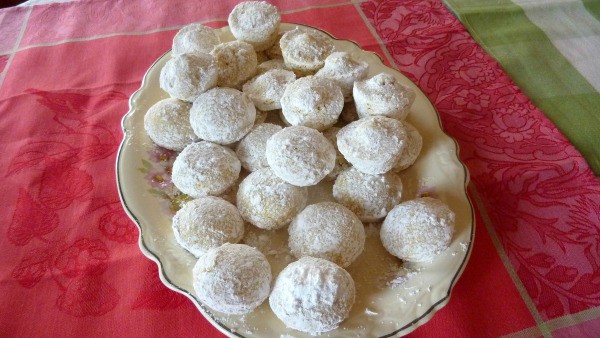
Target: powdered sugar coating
418, 230
327, 230
236, 63
344, 71
340, 162
195, 38
270, 64
299, 155
372, 144
305, 51
233, 278
312, 295
266, 89
251, 149
255, 22
222, 115
382, 95
268, 202
412, 150
205, 168
188, 75
206, 223
167, 123
370, 197
313, 102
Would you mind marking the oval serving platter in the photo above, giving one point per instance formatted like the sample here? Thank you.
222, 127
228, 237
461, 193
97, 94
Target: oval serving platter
392, 299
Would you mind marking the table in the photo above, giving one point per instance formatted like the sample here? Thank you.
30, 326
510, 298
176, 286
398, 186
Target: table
72, 266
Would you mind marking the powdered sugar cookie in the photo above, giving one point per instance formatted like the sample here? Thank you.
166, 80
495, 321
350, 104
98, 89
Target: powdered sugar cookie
412, 150
304, 51
418, 230
236, 63
222, 115
266, 89
313, 102
370, 197
382, 95
205, 168
301, 156
167, 123
373, 144
233, 278
344, 71
195, 38
251, 149
255, 22
206, 223
327, 230
188, 75
267, 201
312, 295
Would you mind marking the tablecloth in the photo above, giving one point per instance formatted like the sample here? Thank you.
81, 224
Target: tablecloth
71, 264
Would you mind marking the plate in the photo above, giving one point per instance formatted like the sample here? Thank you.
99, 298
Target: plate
392, 299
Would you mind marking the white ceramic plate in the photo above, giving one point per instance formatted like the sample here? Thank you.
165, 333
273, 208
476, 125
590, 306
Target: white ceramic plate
389, 301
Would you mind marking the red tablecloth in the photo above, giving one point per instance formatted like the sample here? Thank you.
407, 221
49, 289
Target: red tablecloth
71, 264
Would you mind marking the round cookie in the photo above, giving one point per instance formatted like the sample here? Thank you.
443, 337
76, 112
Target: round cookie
188, 75
312, 295
327, 230
167, 123
236, 63
205, 168
268, 202
304, 51
251, 149
370, 197
418, 230
372, 144
382, 95
313, 102
266, 89
232, 279
195, 38
412, 150
222, 115
300, 155
206, 223
344, 71
255, 22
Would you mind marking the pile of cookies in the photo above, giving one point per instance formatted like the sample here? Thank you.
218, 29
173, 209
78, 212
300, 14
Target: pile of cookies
334, 123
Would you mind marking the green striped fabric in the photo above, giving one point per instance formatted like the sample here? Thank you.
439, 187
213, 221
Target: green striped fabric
528, 53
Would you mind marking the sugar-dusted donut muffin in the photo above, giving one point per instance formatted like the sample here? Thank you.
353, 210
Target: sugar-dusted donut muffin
412, 150
222, 115
267, 201
304, 51
251, 149
255, 22
188, 75
195, 38
382, 95
313, 102
236, 63
418, 230
300, 155
327, 230
167, 123
270, 64
312, 295
370, 197
344, 71
372, 144
340, 162
266, 89
205, 168
206, 223
233, 278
